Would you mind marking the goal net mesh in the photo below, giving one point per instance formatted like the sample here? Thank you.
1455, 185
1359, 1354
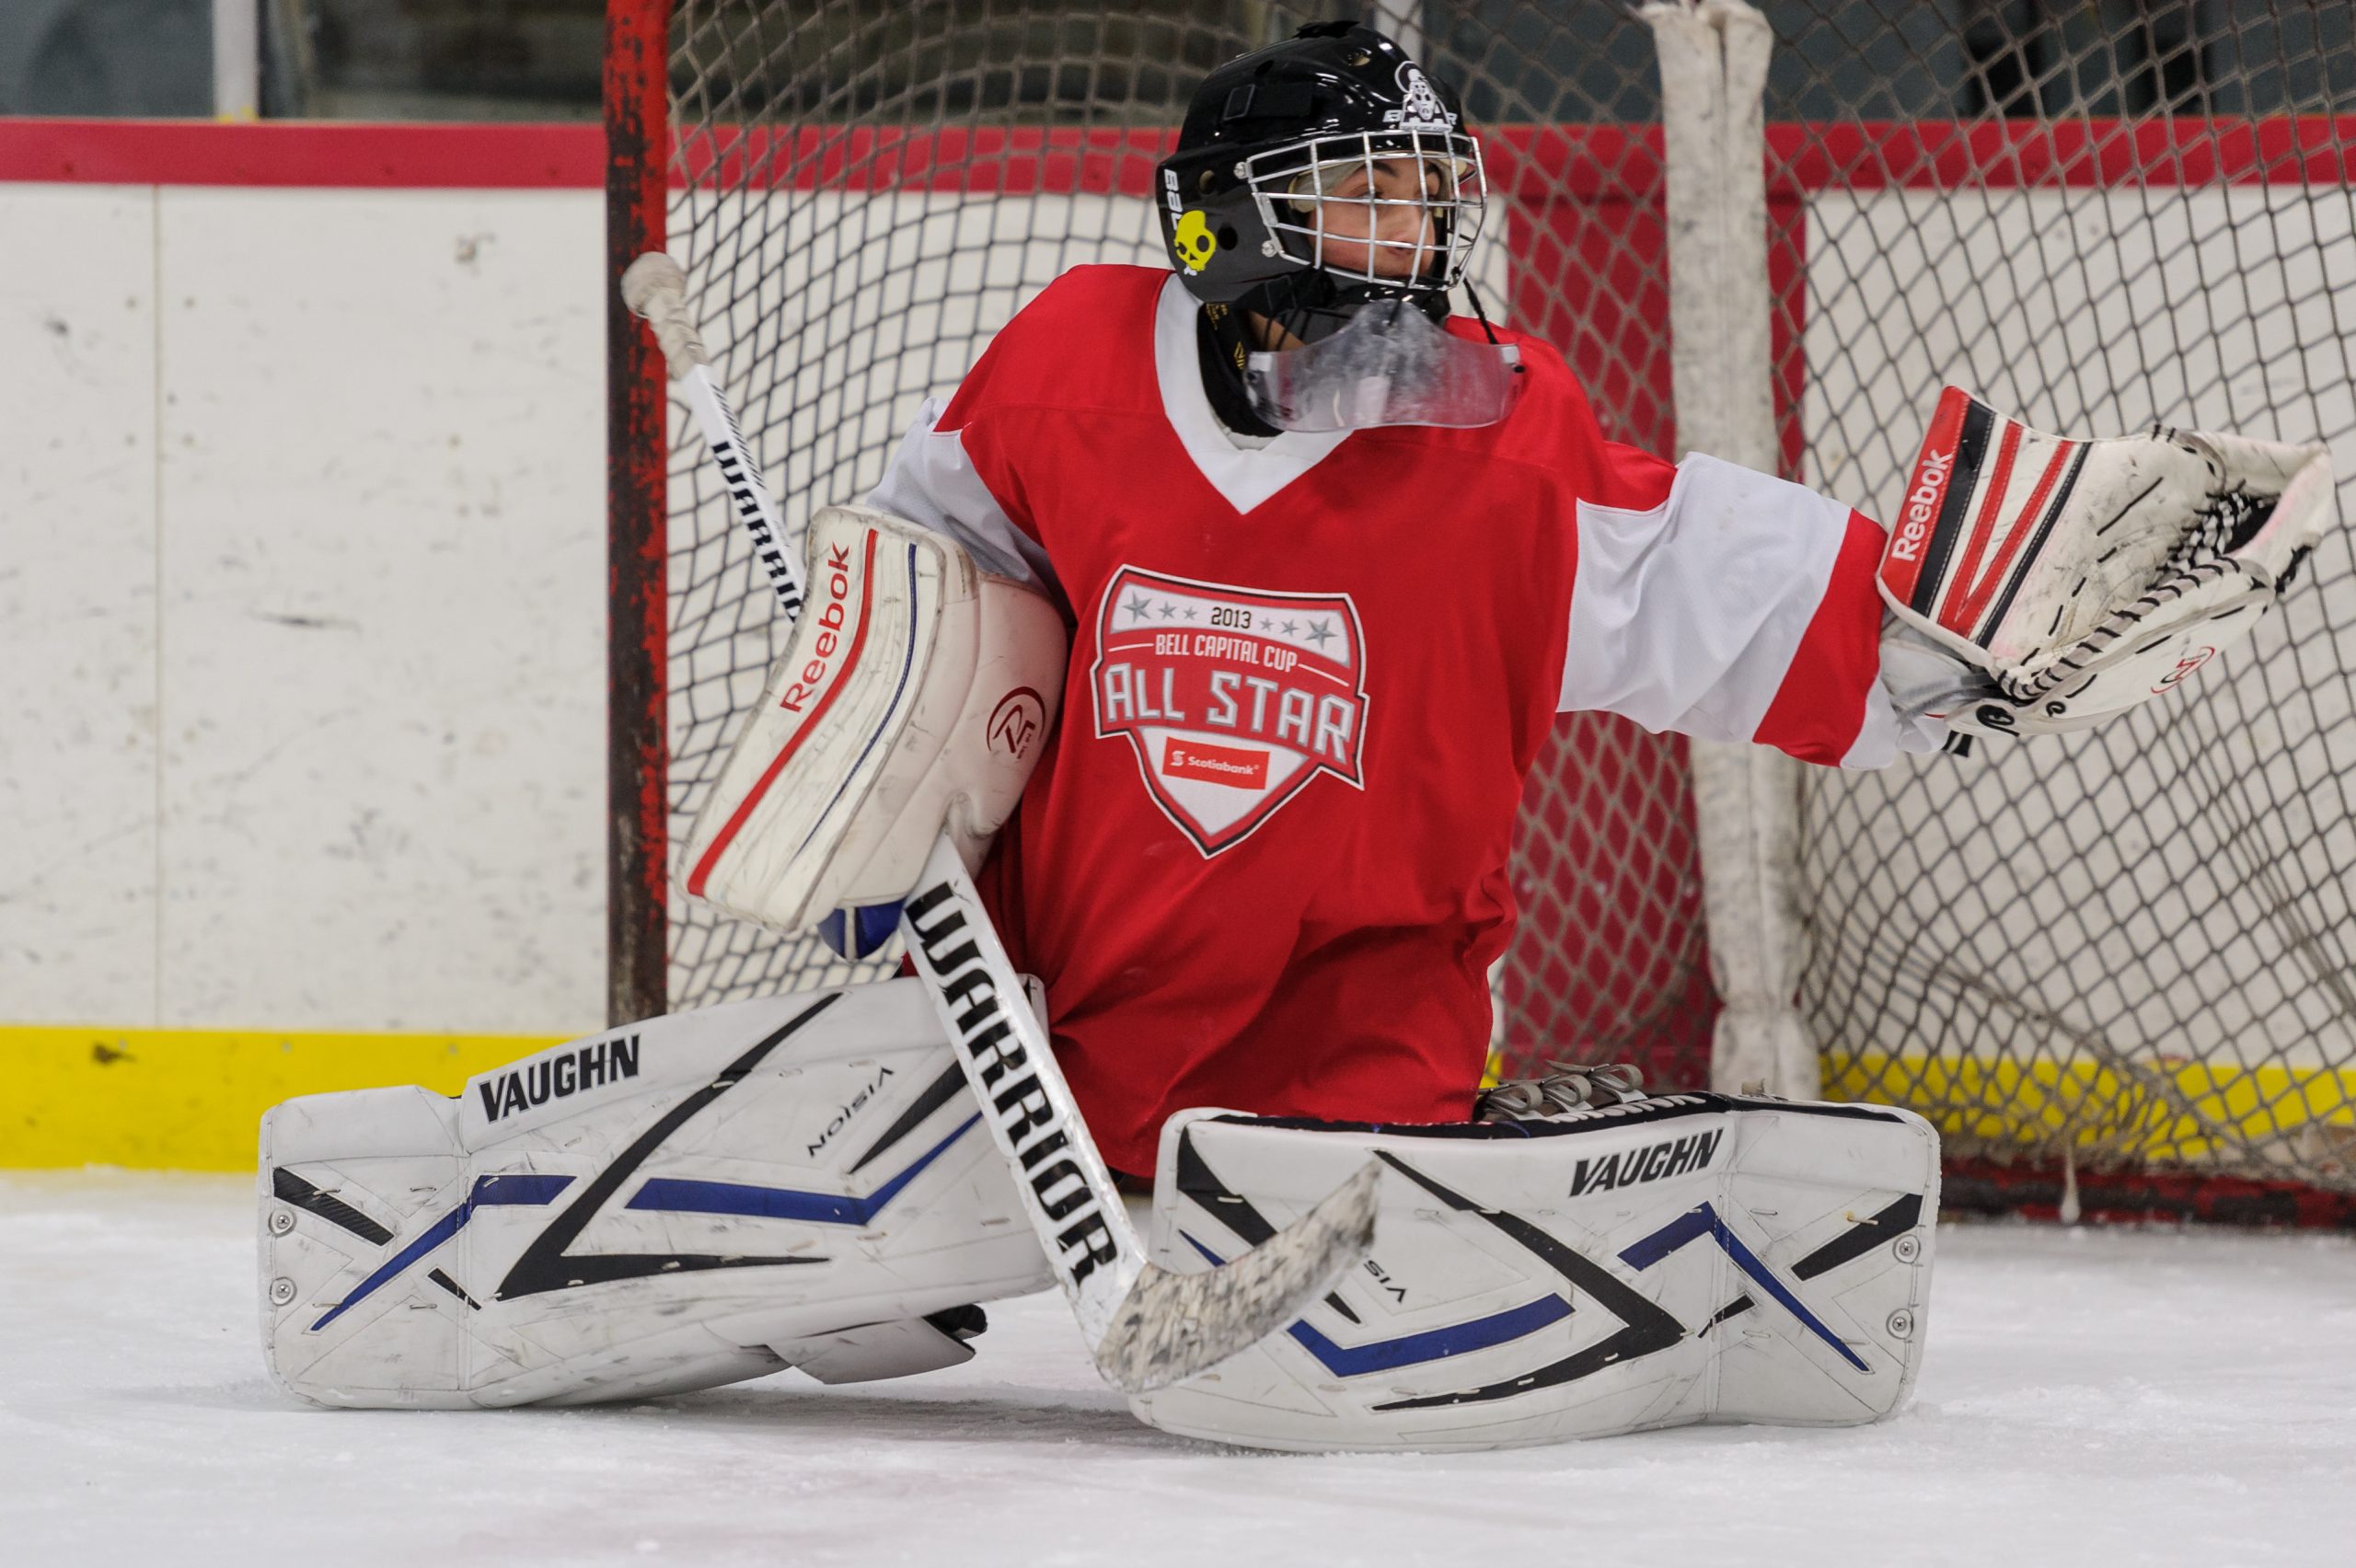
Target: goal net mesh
2131, 948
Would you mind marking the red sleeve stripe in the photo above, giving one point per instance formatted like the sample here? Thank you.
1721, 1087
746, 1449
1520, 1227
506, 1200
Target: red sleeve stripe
1820, 705
727, 834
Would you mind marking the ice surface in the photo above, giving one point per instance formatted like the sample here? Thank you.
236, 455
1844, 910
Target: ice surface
2089, 1398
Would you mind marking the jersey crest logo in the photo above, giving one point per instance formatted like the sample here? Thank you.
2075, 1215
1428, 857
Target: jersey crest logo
1233, 698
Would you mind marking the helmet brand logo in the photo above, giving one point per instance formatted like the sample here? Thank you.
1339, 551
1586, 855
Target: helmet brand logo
1192, 240
1419, 108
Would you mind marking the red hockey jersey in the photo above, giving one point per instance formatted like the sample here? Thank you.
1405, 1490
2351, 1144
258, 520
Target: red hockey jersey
1261, 864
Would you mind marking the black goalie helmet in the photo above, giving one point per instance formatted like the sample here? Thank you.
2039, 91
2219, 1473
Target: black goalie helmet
1320, 174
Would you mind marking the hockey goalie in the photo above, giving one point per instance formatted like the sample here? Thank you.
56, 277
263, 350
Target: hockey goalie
1215, 622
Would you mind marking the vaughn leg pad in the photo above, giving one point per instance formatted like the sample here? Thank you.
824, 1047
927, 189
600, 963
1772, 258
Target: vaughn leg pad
1687, 1258
690, 1201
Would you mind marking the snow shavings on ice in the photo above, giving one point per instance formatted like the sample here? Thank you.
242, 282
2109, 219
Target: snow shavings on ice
2145, 1398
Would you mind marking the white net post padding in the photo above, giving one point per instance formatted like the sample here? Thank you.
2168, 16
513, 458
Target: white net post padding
1714, 56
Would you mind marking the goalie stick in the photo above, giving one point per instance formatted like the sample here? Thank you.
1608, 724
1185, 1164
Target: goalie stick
1146, 1327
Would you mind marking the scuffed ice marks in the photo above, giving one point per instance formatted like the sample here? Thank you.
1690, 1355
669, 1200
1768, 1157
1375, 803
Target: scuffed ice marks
2165, 1400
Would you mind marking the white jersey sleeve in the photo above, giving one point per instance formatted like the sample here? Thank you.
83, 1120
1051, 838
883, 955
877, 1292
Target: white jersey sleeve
932, 482
1738, 607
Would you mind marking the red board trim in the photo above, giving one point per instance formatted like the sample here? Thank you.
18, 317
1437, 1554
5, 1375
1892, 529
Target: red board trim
2028, 154
1526, 162
294, 153
1026, 160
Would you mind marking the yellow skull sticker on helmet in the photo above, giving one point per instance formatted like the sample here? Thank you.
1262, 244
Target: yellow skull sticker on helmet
1194, 242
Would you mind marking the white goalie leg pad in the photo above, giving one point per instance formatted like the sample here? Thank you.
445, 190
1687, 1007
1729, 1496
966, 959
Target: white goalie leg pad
2037, 583
914, 699
700, 1198
1686, 1258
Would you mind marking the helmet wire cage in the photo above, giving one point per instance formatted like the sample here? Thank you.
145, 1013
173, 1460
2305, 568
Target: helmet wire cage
1330, 192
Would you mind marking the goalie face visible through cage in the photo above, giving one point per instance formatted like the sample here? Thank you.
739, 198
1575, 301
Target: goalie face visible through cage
1380, 207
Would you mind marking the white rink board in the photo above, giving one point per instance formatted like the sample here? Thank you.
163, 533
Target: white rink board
2164, 1399
347, 771
77, 603
2024, 298
385, 575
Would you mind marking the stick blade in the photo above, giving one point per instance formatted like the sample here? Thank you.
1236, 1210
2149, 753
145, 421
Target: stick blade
1171, 1326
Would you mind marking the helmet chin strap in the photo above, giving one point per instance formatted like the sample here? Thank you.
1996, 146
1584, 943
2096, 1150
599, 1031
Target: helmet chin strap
1222, 347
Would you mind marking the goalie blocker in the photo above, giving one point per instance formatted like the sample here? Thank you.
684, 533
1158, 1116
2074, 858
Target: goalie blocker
913, 697
802, 1181
2038, 584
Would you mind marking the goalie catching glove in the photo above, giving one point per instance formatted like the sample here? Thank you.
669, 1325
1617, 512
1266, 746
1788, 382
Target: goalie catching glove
913, 700
2037, 583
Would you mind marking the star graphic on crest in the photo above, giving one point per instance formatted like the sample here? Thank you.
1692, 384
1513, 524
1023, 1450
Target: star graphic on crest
1290, 628
1168, 609
1319, 631
1135, 607
1194, 612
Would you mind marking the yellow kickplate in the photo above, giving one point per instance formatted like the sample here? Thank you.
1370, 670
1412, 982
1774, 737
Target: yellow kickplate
2172, 1111
191, 1100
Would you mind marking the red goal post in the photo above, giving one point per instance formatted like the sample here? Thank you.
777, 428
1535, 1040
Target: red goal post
2120, 970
